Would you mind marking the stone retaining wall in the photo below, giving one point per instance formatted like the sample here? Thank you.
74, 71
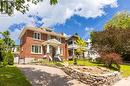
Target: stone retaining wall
93, 80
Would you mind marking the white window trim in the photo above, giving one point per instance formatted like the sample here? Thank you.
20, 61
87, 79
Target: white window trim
34, 52
36, 38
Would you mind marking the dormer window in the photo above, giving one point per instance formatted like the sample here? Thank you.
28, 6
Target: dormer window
36, 35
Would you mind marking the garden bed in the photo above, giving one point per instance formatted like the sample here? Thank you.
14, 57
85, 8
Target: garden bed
93, 76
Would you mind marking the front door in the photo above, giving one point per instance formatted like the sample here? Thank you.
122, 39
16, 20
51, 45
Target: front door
52, 51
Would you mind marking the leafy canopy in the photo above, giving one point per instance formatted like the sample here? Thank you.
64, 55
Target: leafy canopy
81, 46
6, 41
7, 6
6, 45
112, 40
120, 20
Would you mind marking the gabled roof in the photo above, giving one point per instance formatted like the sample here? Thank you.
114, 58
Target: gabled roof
73, 36
52, 42
41, 30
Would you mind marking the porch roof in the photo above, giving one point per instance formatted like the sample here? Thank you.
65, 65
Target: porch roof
52, 42
72, 46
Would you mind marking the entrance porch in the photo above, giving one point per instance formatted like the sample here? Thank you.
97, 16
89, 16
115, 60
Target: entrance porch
53, 49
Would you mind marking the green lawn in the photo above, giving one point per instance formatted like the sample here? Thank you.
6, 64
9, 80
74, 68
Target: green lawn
125, 69
12, 76
84, 63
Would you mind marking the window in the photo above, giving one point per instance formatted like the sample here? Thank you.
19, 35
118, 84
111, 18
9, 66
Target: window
59, 39
37, 49
37, 35
48, 37
70, 42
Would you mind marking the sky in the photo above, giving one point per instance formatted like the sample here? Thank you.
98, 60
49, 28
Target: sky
68, 16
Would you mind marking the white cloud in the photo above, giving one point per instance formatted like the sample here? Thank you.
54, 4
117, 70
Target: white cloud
67, 8
60, 12
66, 35
88, 31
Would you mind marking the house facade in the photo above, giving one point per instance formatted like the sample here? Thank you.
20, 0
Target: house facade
71, 45
38, 43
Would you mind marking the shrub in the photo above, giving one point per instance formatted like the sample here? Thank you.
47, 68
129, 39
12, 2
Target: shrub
10, 57
59, 64
110, 59
5, 59
75, 60
1, 64
98, 60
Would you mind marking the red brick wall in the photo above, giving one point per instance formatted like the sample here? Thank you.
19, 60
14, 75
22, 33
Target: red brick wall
28, 41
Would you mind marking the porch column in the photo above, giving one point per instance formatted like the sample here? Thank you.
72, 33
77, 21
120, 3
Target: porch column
58, 50
73, 52
48, 49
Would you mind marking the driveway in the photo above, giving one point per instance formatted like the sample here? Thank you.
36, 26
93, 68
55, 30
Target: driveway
123, 82
48, 76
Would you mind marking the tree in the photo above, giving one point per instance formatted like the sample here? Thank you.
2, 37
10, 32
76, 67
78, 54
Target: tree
7, 6
6, 45
8, 42
110, 59
112, 40
120, 20
81, 46
1, 47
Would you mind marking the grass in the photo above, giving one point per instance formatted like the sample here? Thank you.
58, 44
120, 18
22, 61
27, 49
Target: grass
12, 76
125, 69
84, 63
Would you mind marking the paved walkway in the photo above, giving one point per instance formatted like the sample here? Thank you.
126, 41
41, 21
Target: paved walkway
123, 82
48, 76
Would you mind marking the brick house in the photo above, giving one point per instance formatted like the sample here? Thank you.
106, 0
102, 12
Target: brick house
38, 43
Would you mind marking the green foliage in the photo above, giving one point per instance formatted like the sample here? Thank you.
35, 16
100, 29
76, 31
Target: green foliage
12, 76
109, 41
19, 5
120, 20
81, 46
8, 42
1, 41
53, 2
75, 60
1, 47
6, 45
10, 58
5, 58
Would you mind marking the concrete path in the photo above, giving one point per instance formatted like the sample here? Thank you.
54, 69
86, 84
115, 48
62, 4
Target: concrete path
123, 82
48, 76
